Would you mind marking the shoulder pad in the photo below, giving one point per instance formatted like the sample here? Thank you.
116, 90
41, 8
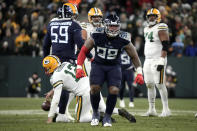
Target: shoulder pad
99, 30
83, 25
125, 35
162, 26
54, 19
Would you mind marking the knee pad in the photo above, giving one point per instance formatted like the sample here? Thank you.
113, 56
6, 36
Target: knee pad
95, 89
150, 85
114, 90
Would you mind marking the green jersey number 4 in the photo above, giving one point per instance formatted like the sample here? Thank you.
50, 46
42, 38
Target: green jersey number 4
150, 36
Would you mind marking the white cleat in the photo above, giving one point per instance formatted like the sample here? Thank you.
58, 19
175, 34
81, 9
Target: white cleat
165, 114
131, 104
150, 113
62, 118
94, 122
122, 104
107, 124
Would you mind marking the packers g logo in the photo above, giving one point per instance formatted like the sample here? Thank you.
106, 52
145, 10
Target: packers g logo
46, 62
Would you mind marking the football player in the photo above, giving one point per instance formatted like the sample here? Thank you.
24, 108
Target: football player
63, 78
156, 46
62, 35
127, 78
108, 42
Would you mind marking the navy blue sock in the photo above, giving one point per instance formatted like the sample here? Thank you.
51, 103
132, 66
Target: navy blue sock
95, 99
110, 103
131, 93
121, 92
63, 101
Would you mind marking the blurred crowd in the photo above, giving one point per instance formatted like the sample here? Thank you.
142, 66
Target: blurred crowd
23, 22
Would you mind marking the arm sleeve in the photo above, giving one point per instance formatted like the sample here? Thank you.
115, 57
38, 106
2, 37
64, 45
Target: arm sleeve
47, 43
55, 100
82, 55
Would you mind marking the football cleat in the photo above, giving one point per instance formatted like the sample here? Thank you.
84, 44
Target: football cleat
124, 113
122, 104
131, 104
150, 113
107, 121
95, 119
102, 116
62, 118
165, 113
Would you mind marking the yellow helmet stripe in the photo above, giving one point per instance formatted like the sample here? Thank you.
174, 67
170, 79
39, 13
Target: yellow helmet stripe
55, 57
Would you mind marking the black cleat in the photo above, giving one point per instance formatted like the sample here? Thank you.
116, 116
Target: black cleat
124, 113
54, 118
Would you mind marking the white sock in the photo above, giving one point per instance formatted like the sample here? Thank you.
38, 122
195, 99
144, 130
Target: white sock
164, 96
151, 96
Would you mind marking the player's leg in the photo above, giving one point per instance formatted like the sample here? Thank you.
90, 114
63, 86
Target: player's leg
96, 79
62, 106
160, 84
148, 78
114, 81
129, 79
83, 108
71, 96
121, 92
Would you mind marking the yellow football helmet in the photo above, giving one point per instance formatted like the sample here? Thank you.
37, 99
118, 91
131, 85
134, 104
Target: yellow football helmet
95, 12
50, 63
155, 12
69, 10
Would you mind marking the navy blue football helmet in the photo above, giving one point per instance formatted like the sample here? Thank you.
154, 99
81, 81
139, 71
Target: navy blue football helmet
59, 12
112, 25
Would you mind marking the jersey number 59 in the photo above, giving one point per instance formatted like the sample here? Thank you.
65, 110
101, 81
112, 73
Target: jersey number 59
59, 34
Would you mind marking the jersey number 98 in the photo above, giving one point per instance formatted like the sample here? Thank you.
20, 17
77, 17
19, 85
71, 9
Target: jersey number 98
107, 53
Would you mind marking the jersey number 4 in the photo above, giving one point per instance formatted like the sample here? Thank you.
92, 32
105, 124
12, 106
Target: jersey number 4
59, 34
150, 36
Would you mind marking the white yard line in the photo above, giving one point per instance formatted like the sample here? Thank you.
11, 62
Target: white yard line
133, 111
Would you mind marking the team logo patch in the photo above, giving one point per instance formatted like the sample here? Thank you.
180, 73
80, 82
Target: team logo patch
46, 62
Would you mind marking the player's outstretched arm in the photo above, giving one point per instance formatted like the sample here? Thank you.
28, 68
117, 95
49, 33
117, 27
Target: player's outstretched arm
89, 43
131, 51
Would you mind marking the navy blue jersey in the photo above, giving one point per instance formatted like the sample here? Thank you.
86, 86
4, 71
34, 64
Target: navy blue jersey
62, 35
126, 62
107, 50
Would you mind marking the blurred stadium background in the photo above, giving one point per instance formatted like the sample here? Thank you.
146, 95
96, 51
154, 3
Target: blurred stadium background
23, 26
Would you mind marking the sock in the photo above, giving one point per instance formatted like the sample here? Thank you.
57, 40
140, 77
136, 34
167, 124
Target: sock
63, 101
151, 96
164, 95
131, 93
121, 93
111, 103
95, 99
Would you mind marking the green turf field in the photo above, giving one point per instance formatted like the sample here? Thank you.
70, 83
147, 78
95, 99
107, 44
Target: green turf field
22, 114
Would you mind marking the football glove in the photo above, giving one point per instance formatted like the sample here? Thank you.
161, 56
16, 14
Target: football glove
139, 79
160, 63
79, 72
